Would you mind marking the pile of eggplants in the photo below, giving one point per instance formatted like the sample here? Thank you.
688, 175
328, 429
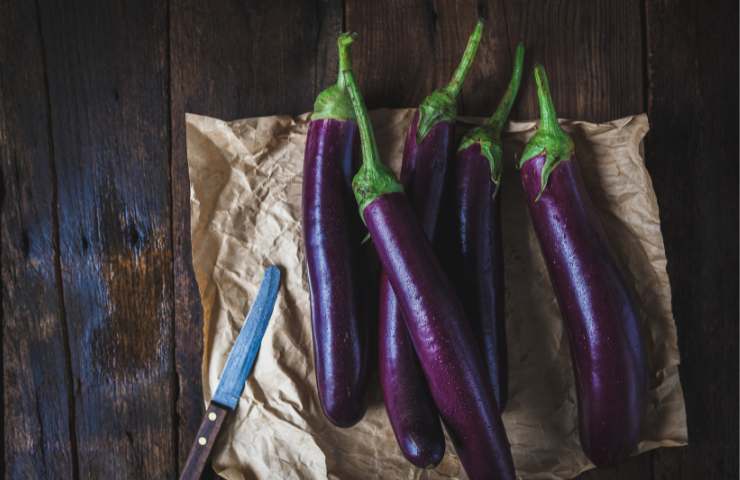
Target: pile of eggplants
442, 357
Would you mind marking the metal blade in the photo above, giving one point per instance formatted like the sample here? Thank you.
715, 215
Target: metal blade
244, 352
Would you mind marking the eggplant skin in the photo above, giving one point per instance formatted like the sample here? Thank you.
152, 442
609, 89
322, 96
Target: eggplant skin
424, 169
409, 404
332, 238
479, 273
598, 310
441, 337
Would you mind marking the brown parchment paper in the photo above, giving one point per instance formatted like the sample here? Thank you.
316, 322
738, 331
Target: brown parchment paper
245, 181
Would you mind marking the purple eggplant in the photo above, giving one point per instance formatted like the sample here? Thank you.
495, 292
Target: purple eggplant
598, 310
432, 312
478, 272
410, 407
336, 265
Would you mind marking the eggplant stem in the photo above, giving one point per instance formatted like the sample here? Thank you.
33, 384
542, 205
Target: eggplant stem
334, 103
488, 135
345, 59
373, 178
458, 77
498, 120
441, 104
548, 116
550, 139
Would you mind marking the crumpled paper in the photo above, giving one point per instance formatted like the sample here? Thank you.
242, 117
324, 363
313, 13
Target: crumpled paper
245, 179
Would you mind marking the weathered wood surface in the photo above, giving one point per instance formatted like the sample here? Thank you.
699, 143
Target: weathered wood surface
100, 314
692, 154
38, 420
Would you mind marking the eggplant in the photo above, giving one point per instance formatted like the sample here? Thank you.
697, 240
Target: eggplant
479, 271
433, 314
598, 309
336, 265
410, 407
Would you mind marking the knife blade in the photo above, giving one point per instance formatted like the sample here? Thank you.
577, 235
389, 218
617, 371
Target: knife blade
239, 364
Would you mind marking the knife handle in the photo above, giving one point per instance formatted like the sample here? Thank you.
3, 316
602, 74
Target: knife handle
204, 440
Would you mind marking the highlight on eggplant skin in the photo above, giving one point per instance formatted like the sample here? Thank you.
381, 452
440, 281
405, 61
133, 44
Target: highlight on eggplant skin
434, 316
336, 266
598, 309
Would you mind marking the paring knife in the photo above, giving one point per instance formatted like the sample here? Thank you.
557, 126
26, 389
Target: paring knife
238, 366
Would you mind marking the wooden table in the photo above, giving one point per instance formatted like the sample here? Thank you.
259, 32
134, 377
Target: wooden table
101, 337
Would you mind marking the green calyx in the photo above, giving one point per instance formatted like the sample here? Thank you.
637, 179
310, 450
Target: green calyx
441, 104
550, 138
373, 179
334, 102
488, 135
490, 147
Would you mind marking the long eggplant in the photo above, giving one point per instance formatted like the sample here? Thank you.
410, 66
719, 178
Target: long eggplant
332, 237
597, 307
410, 407
433, 315
479, 271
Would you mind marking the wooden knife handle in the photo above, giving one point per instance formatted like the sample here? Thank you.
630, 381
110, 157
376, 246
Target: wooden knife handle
204, 440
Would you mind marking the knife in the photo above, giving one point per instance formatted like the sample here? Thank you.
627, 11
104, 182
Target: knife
235, 373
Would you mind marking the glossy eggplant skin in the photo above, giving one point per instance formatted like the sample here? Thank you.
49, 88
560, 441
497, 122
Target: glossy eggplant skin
441, 337
424, 168
336, 267
478, 272
598, 310
409, 404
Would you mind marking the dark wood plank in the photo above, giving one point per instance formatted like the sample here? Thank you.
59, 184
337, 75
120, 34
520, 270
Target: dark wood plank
593, 53
38, 408
233, 61
108, 93
188, 323
692, 154
592, 50
406, 48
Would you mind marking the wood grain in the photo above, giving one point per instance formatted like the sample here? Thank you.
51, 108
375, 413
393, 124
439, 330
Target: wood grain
236, 60
188, 316
107, 73
592, 52
38, 408
692, 155
406, 49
